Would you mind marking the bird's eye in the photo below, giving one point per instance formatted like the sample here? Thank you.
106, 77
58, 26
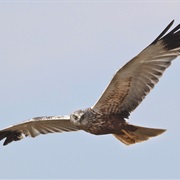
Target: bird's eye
75, 117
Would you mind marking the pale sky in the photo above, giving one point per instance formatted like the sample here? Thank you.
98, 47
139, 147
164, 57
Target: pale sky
59, 56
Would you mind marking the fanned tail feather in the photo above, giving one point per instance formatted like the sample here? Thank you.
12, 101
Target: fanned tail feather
132, 134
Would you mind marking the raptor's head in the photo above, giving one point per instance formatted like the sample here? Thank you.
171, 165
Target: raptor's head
79, 118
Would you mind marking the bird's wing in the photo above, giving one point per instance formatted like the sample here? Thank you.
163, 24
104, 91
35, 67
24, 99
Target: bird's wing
135, 79
37, 126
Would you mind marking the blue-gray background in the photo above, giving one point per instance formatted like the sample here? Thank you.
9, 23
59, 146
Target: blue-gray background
56, 57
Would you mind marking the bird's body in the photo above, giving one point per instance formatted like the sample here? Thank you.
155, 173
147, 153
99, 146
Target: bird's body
125, 92
96, 123
100, 124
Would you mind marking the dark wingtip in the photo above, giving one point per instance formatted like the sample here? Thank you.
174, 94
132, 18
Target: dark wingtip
6, 142
170, 40
163, 32
10, 136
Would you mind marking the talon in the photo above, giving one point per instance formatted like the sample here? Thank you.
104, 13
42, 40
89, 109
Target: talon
128, 135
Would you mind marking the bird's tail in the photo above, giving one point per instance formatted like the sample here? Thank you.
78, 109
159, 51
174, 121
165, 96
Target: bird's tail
132, 134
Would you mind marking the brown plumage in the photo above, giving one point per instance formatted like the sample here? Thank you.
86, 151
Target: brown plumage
125, 92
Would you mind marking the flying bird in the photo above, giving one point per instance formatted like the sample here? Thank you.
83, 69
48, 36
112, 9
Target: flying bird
109, 115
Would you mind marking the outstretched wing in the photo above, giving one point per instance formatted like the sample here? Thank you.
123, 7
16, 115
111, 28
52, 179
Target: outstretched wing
37, 126
134, 81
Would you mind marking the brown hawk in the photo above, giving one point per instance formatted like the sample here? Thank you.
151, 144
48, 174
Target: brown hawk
125, 92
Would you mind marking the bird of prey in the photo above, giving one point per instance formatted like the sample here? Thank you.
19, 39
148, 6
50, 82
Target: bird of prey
127, 89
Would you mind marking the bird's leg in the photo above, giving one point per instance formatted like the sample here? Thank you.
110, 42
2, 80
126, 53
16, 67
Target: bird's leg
128, 135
